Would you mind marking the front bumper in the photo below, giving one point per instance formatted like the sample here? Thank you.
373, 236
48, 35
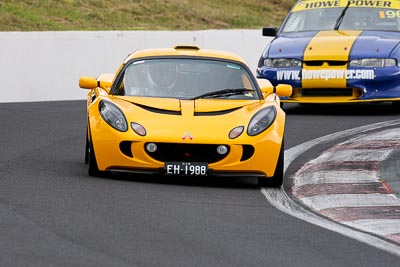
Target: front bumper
355, 85
126, 152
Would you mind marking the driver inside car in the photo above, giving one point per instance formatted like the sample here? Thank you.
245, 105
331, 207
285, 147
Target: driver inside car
152, 79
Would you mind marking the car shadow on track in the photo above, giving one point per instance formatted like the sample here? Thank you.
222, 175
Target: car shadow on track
215, 182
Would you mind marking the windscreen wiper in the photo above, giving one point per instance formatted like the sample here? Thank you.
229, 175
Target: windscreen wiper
224, 93
340, 18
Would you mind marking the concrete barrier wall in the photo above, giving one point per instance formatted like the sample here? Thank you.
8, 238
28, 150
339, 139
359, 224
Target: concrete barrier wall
46, 66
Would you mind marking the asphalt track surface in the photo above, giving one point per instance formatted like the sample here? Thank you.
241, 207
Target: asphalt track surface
53, 214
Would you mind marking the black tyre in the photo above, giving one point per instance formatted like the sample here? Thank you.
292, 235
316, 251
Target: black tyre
277, 179
87, 149
396, 107
93, 169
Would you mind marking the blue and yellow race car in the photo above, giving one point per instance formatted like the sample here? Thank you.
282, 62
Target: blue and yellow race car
336, 51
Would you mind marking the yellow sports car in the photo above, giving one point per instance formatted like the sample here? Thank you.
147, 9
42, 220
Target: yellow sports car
185, 111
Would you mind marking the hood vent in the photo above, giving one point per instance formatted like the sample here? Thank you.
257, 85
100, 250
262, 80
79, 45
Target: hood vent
216, 113
179, 113
159, 111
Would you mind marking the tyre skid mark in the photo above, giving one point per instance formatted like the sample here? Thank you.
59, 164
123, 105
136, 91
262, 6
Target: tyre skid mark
311, 190
344, 214
347, 165
368, 144
335, 177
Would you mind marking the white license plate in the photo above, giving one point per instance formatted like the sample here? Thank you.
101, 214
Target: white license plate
186, 168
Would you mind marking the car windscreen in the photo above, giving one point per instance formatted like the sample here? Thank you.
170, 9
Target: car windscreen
354, 18
186, 78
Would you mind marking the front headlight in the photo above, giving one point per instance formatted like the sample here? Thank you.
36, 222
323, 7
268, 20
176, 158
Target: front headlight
261, 121
373, 62
113, 115
282, 62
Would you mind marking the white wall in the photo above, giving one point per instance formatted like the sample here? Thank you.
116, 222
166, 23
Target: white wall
44, 66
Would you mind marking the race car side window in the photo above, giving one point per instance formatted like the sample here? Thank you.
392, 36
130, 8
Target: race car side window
295, 22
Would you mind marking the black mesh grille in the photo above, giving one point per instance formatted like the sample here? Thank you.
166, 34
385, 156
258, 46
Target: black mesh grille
327, 92
318, 63
186, 153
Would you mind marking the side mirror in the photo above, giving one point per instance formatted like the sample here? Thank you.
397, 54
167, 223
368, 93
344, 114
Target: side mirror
88, 83
92, 83
269, 31
284, 90
265, 86
281, 89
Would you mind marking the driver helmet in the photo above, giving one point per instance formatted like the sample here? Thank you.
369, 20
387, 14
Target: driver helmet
163, 74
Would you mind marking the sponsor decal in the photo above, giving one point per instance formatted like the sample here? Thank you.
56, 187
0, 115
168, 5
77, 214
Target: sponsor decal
342, 3
389, 14
370, 3
325, 74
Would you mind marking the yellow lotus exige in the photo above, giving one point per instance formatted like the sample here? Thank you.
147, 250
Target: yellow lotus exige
185, 111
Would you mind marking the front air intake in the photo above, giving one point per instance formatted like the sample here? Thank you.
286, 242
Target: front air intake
187, 153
